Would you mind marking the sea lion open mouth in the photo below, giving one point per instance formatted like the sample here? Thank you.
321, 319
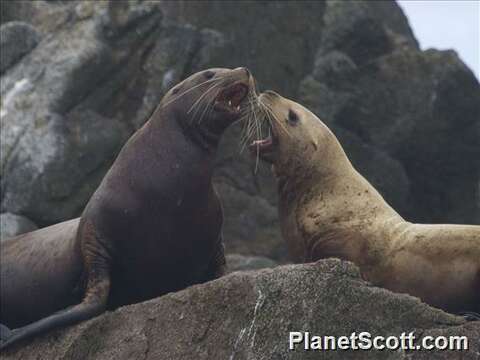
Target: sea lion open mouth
265, 147
229, 100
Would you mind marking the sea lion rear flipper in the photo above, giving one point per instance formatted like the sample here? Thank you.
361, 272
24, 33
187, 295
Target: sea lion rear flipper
93, 304
97, 268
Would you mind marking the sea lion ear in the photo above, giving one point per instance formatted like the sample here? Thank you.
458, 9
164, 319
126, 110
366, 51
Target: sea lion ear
315, 143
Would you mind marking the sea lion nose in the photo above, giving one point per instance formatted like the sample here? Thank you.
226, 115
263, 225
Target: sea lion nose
242, 68
271, 92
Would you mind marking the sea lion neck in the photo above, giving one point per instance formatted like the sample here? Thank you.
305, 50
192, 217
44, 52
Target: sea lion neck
197, 134
324, 163
329, 172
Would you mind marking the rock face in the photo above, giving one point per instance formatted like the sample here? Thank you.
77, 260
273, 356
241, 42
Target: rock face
237, 262
70, 104
421, 108
432, 132
12, 225
408, 119
248, 315
16, 40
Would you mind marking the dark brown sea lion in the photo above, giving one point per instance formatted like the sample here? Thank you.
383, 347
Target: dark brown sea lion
327, 209
153, 225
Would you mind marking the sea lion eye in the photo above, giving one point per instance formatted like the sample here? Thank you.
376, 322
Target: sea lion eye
209, 74
292, 117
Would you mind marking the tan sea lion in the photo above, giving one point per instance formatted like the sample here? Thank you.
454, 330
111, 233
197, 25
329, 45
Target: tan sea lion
327, 209
153, 225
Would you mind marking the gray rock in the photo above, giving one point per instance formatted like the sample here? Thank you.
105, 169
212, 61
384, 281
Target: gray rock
12, 225
237, 262
364, 30
248, 315
250, 224
46, 16
70, 104
422, 110
50, 169
180, 51
260, 32
16, 40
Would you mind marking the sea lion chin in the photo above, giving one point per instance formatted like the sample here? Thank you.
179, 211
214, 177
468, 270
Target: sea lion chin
153, 225
327, 209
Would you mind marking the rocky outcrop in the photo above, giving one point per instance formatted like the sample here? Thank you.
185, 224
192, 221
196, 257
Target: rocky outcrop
16, 39
275, 40
248, 315
431, 133
407, 118
12, 225
46, 16
70, 104
236, 262
419, 109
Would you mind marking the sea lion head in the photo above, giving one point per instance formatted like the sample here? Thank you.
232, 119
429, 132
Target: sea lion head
298, 141
207, 102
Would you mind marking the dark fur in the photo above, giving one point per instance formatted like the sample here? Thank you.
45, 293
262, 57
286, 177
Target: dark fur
153, 225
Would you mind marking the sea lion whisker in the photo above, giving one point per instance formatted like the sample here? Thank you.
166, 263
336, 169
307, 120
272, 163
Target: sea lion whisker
249, 128
187, 91
198, 104
271, 118
208, 109
268, 110
208, 104
258, 131
246, 115
254, 121
247, 131
213, 86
